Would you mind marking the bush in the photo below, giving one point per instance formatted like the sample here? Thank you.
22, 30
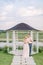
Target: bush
20, 47
5, 49
1, 49
40, 49
10, 48
34, 48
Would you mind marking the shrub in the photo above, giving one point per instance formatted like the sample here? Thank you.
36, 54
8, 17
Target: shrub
20, 47
34, 48
10, 48
5, 49
1, 49
40, 49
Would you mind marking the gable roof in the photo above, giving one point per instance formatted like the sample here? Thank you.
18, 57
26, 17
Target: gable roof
22, 26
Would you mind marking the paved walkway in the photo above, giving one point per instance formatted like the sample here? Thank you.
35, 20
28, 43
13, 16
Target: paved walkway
18, 60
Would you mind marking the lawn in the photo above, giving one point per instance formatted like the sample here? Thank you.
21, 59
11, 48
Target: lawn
5, 59
38, 58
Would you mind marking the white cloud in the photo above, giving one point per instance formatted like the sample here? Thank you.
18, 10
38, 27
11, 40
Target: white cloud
35, 22
5, 10
2, 16
12, 12
29, 11
8, 24
8, 7
31, 7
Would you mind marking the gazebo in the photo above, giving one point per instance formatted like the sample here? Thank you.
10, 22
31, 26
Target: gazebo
21, 27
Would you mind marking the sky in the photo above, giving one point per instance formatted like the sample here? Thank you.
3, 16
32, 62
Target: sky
13, 12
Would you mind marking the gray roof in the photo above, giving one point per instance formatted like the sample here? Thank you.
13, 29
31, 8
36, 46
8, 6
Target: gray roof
22, 26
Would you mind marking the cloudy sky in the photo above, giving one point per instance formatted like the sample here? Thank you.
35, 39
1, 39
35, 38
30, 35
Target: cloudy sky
13, 12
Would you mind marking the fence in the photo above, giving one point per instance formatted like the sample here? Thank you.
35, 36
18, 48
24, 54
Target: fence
20, 36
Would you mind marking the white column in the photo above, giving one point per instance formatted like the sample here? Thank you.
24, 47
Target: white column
7, 35
17, 36
32, 34
37, 42
14, 46
32, 39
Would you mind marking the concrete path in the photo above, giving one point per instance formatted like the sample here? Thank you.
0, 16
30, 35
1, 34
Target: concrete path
18, 60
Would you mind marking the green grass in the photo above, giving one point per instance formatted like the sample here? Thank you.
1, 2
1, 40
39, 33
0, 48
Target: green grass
38, 58
5, 59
